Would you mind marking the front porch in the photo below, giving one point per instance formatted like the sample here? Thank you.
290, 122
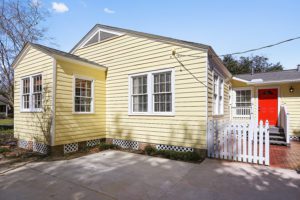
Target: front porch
286, 157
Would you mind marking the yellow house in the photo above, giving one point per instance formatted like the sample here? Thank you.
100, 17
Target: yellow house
129, 88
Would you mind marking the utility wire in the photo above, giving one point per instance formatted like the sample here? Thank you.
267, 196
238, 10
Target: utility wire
177, 55
247, 51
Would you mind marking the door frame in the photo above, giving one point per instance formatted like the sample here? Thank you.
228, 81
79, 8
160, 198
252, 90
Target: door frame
278, 100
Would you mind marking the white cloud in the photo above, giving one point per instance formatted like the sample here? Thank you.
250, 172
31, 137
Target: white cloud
59, 7
109, 11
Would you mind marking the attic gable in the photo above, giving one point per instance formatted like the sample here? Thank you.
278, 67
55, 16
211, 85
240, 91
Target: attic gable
97, 35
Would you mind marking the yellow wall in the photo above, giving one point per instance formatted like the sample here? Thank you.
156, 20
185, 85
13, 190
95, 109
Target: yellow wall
292, 102
26, 124
71, 127
210, 98
127, 55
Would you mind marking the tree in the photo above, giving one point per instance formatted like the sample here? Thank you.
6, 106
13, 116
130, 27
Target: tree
20, 22
246, 64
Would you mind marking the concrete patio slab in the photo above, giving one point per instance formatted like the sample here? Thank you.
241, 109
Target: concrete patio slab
122, 175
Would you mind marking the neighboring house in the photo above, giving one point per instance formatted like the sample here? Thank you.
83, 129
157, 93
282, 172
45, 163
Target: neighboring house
126, 87
4, 107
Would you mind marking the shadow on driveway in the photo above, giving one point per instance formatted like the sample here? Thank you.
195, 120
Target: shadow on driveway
122, 175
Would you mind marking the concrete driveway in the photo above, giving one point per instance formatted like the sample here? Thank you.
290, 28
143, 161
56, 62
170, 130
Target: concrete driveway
121, 175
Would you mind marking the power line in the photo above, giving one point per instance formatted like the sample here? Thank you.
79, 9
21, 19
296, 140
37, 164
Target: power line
242, 52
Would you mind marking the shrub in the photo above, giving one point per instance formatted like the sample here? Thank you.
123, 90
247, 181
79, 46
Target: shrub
3, 150
184, 156
150, 150
105, 146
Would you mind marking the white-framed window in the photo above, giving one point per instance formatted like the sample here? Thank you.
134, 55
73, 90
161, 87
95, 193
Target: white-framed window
152, 93
243, 101
218, 107
32, 93
83, 95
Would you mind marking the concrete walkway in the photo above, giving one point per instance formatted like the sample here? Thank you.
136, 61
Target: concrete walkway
121, 175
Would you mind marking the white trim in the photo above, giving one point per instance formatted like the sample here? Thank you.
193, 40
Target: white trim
31, 109
241, 80
53, 127
278, 101
272, 82
92, 34
86, 64
21, 56
206, 102
150, 91
220, 77
92, 95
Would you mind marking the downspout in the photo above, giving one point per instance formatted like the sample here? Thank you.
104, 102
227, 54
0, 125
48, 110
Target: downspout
52, 135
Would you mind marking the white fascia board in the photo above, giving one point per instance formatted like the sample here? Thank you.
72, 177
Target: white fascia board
274, 82
241, 80
98, 67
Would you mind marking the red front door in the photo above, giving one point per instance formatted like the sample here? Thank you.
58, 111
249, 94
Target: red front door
268, 105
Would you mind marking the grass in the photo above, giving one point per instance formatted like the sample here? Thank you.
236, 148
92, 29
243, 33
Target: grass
9, 121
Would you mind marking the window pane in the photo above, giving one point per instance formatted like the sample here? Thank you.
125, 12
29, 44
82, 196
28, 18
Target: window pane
83, 94
162, 92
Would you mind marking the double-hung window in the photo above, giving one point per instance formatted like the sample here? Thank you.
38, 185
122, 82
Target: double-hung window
243, 102
31, 93
139, 94
218, 108
83, 98
152, 93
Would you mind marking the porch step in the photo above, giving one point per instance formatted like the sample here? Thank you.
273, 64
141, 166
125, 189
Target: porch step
277, 142
276, 130
277, 136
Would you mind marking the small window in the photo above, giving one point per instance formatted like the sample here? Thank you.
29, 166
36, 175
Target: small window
83, 96
139, 94
31, 93
218, 95
162, 92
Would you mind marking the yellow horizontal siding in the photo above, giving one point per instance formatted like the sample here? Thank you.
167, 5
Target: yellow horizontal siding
26, 124
71, 127
127, 55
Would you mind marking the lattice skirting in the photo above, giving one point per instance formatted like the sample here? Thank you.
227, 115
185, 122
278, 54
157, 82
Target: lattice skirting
293, 137
126, 144
174, 148
40, 148
25, 144
91, 143
69, 148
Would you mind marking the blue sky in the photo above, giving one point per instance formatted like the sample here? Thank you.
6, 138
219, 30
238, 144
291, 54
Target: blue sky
228, 26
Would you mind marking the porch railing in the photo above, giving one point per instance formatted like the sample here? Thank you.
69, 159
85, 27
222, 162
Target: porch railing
284, 122
241, 113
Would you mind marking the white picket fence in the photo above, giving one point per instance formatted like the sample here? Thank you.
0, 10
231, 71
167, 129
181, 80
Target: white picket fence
244, 142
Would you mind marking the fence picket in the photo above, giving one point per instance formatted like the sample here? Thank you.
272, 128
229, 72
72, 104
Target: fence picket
239, 142
250, 138
267, 144
261, 135
244, 143
255, 144
225, 142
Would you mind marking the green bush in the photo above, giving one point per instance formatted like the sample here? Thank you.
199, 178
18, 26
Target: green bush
184, 156
150, 150
2, 150
105, 146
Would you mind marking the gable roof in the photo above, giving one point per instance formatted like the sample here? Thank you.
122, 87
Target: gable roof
155, 37
137, 33
56, 54
269, 77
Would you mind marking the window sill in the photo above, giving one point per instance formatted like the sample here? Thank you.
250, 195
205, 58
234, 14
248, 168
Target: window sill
31, 111
83, 113
152, 114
